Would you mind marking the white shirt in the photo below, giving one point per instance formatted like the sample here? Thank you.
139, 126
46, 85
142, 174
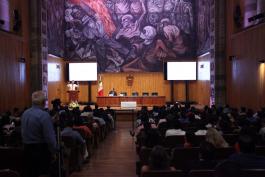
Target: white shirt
174, 132
200, 132
72, 86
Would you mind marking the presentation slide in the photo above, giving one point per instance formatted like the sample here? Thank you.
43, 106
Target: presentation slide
83, 71
204, 70
181, 70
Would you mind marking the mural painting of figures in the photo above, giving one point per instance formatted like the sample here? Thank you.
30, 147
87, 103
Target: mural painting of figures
129, 35
203, 26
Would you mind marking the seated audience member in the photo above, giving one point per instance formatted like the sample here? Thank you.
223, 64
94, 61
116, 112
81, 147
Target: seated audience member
224, 124
247, 158
16, 114
227, 168
69, 132
158, 160
173, 127
97, 116
78, 124
189, 138
110, 111
7, 127
111, 118
144, 118
206, 157
148, 136
183, 118
262, 131
215, 138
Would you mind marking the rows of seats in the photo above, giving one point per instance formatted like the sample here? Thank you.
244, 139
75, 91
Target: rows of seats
180, 156
184, 132
173, 141
73, 155
202, 173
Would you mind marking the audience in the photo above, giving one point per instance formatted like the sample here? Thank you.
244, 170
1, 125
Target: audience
227, 169
158, 160
173, 126
187, 122
247, 158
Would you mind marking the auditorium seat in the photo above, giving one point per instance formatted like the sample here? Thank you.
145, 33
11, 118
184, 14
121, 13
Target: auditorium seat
11, 158
135, 94
224, 153
174, 141
201, 173
182, 156
260, 150
72, 154
253, 173
231, 139
145, 153
123, 94
145, 94
8, 173
164, 173
154, 94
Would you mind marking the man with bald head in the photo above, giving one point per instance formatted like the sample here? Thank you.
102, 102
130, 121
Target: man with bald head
38, 137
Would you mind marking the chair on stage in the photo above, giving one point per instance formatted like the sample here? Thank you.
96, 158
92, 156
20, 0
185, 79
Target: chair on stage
135, 94
154, 94
145, 94
123, 94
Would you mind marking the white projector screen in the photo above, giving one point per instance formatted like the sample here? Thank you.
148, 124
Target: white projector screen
181, 70
83, 71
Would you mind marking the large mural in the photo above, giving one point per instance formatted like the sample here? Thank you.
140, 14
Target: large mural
56, 28
129, 35
203, 26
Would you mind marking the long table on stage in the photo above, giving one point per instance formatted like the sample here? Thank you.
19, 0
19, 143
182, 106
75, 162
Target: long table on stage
115, 101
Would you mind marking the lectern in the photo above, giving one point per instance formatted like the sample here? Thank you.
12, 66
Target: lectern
73, 95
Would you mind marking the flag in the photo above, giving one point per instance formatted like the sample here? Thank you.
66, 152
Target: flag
100, 87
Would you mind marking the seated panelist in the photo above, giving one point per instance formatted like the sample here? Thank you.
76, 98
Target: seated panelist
112, 92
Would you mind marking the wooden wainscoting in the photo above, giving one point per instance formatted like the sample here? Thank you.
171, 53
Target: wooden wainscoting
14, 71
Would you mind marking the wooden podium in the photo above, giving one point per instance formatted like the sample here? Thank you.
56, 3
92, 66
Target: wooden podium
73, 95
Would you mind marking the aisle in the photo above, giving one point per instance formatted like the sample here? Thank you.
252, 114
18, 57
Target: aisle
115, 156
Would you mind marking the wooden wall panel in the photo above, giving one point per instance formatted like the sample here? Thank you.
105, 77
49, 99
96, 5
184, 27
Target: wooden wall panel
57, 87
143, 82
14, 77
179, 91
246, 83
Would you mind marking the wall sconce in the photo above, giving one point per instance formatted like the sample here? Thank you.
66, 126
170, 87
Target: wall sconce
262, 61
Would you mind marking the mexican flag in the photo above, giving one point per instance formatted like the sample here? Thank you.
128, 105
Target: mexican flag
100, 87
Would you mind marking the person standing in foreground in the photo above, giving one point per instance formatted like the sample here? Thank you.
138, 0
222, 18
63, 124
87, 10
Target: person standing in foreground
38, 137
